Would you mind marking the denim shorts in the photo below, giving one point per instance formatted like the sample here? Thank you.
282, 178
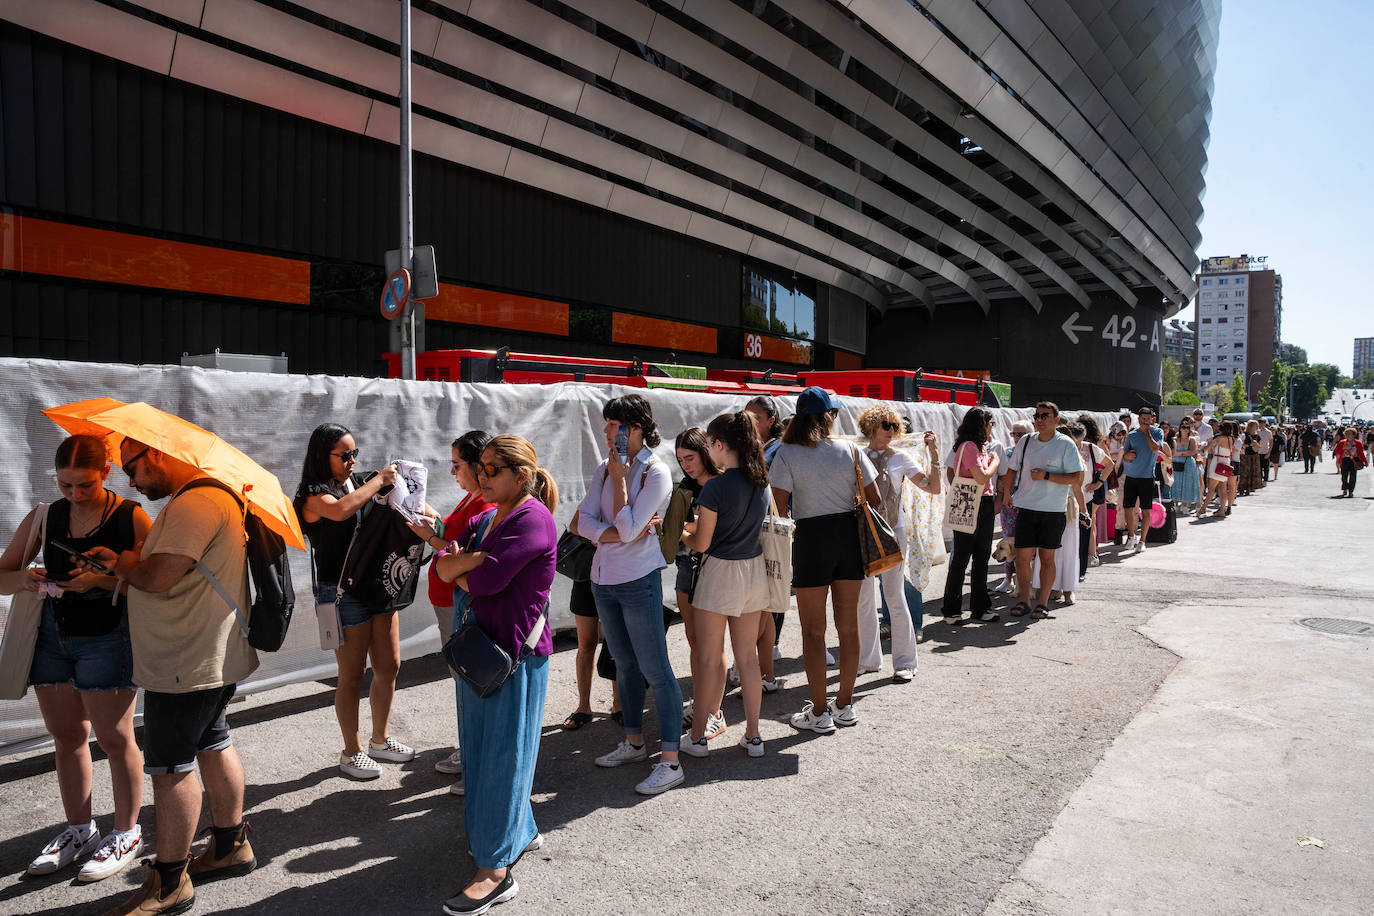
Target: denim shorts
352, 612
87, 662
177, 726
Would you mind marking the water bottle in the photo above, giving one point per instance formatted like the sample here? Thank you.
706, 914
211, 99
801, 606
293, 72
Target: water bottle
622, 445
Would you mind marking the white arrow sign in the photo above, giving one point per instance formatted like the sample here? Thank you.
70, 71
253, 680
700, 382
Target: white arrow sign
1069, 328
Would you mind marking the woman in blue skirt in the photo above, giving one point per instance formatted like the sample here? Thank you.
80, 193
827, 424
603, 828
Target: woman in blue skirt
1187, 477
502, 566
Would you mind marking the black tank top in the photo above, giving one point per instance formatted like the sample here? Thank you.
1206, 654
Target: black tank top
89, 613
329, 538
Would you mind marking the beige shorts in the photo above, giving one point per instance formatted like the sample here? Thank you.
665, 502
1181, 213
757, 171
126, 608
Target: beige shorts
731, 587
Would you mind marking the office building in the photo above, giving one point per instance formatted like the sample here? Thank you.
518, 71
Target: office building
1364, 356
1239, 318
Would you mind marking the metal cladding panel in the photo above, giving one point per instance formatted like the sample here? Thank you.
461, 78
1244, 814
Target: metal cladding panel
99, 28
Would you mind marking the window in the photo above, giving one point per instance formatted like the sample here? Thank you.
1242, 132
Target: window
1221, 282
1206, 359
1206, 321
1238, 346
1206, 371
1221, 359
1206, 282
1221, 321
776, 305
1240, 281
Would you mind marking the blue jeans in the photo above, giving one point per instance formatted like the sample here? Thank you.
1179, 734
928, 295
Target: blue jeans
632, 620
86, 662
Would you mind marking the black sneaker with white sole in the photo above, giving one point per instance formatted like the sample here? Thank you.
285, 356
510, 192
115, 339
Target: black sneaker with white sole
460, 905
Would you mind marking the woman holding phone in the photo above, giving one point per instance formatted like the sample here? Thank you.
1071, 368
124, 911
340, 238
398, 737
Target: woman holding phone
82, 664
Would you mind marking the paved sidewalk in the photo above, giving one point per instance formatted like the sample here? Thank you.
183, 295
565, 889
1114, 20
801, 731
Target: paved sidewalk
1068, 765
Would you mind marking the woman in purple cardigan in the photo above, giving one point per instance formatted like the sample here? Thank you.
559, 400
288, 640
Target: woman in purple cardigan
504, 562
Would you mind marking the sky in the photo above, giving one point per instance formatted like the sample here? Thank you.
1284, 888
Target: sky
1289, 171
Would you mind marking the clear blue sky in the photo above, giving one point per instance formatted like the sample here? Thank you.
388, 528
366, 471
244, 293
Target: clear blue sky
1289, 171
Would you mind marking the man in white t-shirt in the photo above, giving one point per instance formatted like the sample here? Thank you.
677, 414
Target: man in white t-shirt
1200, 427
1043, 468
1266, 448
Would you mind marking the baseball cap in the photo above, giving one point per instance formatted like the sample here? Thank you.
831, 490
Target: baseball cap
815, 400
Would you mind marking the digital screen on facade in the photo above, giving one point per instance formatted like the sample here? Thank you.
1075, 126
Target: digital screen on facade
786, 308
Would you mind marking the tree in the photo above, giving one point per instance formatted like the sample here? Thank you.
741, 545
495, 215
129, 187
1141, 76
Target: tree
1171, 377
1309, 394
1182, 396
1330, 376
1365, 379
1240, 400
1292, 354
1275, 390
1220, 396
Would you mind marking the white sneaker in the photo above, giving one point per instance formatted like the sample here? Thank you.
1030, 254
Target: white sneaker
843, 716
904, 675
807, 721
624, 752
772, 686
1139, 546
829, 659
694, 748
118, 850
390, 750
1094, 562
450, 765
753, 745
1131, 543
732, 676
359, 766
715, 725
535, 844
65, 848
662, 777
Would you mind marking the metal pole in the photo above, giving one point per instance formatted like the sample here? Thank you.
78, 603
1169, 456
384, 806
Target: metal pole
407, 198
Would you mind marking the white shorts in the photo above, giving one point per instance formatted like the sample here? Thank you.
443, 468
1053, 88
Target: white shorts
731, 587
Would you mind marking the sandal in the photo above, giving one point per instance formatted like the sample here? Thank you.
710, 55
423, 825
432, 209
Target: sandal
1041, 612
576, 720
1021, 609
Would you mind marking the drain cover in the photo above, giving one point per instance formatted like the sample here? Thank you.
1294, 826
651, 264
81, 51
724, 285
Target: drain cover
1339, 625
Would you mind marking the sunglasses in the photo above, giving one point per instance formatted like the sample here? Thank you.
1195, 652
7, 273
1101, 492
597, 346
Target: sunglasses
1043, 416
890, 426
489, 470
346, 456
128, 466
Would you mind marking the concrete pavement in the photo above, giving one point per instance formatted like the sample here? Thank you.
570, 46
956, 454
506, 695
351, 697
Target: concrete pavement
1161, 746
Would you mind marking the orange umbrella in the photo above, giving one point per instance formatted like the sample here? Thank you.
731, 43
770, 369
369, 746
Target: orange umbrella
114, 421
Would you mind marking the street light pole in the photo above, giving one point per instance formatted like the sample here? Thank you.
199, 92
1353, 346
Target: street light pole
407, 199
1251, 386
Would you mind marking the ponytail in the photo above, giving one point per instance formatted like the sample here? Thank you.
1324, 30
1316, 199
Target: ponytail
738, 433
544, 488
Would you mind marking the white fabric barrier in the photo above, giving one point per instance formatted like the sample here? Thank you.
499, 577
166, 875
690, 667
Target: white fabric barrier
270, 417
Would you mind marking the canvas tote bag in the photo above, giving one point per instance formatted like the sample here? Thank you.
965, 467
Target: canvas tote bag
961, 506
21, 627
776, 539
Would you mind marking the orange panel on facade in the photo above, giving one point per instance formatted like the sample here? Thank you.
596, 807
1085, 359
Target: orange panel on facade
665, 335
466, 305
848, 361
39, 246
776, 349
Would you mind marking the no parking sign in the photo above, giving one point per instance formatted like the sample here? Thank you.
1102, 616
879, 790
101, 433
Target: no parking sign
395, 294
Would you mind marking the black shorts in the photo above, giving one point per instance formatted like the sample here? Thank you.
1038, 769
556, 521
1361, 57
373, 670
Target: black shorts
1139, 491
581, 602
1039, 529
177, 726
682, 579
826, 549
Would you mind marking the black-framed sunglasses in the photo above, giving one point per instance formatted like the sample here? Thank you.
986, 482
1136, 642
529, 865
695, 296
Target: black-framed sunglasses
1043, 416
346, 456
489, 470
128, 466
891, 427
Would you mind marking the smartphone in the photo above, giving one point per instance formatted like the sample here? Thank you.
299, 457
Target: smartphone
67, 548
622, 445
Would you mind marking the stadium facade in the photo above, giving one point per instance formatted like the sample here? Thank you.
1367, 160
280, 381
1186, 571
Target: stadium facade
1004, 185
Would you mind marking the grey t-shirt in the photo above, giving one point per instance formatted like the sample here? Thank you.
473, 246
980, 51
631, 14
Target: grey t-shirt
820, 479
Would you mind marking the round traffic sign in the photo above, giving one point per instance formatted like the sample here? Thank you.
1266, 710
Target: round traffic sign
395, 294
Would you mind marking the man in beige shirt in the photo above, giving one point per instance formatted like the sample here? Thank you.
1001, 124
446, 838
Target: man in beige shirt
189, 655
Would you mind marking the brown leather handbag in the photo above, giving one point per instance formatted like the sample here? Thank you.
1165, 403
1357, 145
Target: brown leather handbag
877, 542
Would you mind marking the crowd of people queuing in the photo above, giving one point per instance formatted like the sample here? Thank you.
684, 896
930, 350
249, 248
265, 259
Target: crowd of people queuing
125, 607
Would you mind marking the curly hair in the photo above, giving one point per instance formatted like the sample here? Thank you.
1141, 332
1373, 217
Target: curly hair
873, 417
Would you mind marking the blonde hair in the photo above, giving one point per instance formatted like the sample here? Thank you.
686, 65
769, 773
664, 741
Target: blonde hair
1251, 426
873, 417
517, 452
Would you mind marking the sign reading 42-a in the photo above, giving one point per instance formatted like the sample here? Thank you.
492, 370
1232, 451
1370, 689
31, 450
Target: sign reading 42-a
1120, 331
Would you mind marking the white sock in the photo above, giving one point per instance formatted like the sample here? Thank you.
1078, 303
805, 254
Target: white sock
134, 831
83, 831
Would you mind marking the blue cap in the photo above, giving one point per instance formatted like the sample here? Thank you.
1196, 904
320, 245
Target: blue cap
815, 400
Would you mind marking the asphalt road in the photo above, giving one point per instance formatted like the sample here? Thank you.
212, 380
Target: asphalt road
953, 794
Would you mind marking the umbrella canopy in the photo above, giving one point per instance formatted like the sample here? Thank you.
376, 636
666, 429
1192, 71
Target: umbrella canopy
114, 421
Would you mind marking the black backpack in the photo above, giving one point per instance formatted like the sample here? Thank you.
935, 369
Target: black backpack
266, 626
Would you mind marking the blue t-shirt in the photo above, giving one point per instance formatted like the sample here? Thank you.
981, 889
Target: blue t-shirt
1057, 456
739, 507
1143, 465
